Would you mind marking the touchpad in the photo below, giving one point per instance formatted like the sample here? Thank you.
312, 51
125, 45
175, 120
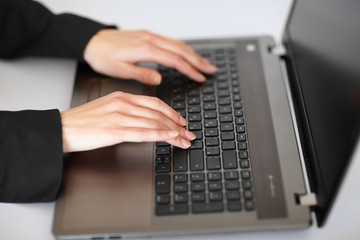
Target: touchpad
109, 189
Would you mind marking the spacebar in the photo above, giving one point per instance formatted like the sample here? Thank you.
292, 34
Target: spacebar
207, 207
180, 161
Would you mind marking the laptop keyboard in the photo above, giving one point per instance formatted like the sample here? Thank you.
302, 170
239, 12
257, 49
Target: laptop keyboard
214, 174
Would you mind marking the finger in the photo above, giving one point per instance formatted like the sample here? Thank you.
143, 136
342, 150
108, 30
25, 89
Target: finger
121, 120
131, 71
185, 51
157, 105
144, 135
152, 53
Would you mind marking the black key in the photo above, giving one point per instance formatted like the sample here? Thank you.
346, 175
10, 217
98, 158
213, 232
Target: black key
224, 101
163, 199
162, 144
236, 97
198, 134
210, 123
214, 176
179, 105
246, 184
226, 127
222, 77
223, 93
159, 159
231, 175
212, 151
211, 132
178, 90
180, 188
236, 90
194, 109
207, 90
197, 177
242, 145
215, 196
167, 159
244, 164
223, 85
245, 174
214, 186
180, 161
238, 113
194, 117
232, 185
249, 206
243, 154
234, 206
194, 100
163, 150
213, 141
224, 118
225, 109
163, 168
196, 160
248, 195
232, 195
209, 98
207, 207
210, 114
209, 106
181, 198
237, 105
180, 178
198, 187
194, 92
162, 184
171, 209
213, 163
229, 159
179, 97
226, 136
182, 113
239, 121
240, 128
194, 126
198, 197
196, 144
228, 145
241, 137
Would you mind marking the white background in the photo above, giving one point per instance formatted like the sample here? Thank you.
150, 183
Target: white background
47, 83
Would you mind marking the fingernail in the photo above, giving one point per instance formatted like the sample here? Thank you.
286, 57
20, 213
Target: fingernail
183, 121
185, 143
190, 135
156, 79
211, 68
200, 77
173, 133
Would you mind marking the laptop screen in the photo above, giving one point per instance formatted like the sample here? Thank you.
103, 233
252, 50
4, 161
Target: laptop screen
322, 38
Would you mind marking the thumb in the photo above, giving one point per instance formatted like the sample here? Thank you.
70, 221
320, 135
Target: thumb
141, 74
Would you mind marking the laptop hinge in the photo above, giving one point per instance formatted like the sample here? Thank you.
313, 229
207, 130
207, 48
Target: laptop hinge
307, 199
278, 50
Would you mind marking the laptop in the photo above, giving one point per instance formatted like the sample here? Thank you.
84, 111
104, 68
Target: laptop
275, 129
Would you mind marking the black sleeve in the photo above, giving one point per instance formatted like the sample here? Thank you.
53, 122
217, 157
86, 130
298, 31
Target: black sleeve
29, 29
31, 157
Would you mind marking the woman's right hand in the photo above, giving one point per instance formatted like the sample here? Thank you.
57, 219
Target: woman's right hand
122, 117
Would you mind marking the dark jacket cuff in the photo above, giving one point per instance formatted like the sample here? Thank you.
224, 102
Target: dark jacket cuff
31, 157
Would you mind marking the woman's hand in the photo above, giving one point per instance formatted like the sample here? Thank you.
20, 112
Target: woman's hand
122, 117
114, 53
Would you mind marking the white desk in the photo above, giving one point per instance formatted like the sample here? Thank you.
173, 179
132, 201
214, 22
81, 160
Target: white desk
44, 83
